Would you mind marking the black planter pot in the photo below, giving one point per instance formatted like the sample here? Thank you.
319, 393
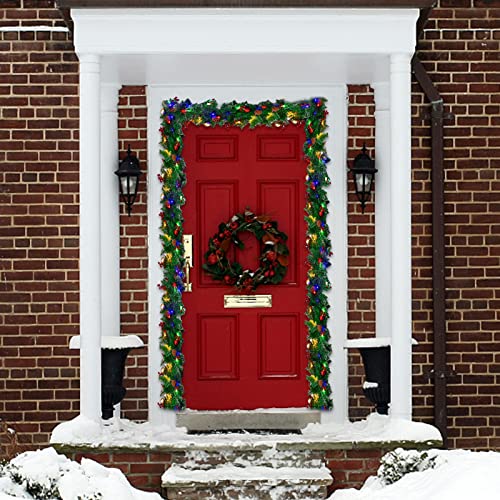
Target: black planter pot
377, 363
112, 369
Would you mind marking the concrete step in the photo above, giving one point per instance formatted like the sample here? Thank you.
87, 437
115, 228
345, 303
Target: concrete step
229, 481
203, 460
227, 473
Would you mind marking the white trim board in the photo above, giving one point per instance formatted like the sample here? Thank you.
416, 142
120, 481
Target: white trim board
244, 31
154, 46
337, 219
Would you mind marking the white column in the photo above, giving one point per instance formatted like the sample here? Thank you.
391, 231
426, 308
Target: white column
90, 236
383, 255
110, 213
401, 362
337, 222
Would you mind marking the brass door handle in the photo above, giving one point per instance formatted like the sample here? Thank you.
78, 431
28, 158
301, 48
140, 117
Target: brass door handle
187, 241
188, 286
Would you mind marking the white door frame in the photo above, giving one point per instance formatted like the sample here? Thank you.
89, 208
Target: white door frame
337, 220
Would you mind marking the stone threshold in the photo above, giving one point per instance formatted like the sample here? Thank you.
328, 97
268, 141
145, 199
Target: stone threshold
293, 419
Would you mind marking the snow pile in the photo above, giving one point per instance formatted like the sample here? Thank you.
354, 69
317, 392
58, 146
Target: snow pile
46, 475
115, 432
80, 429
438, 475
375, 428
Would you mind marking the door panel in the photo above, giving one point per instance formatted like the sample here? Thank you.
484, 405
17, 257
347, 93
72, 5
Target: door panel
218, 352
279, 346
216, 147
213, 199
283, 197
245, 358
273, 147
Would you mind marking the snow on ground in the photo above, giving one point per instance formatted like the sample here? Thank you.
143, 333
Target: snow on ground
458, 475
376, 428
48, 475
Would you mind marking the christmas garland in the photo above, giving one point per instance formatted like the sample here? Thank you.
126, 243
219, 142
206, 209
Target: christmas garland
175, 115
274, 258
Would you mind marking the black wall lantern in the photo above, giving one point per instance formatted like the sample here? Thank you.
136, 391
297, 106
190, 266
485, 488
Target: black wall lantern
363, 172
128, 173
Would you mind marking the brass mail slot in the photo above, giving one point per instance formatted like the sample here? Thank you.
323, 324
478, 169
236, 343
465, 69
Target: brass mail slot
247, 301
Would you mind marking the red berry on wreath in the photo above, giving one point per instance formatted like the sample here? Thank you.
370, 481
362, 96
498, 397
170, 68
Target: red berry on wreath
228, 280
216, 242
234, 225
212, 259
271, 256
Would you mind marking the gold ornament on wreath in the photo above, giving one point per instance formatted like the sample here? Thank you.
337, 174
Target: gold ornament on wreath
273, 259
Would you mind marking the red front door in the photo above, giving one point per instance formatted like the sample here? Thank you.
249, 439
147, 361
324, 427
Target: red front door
245, 358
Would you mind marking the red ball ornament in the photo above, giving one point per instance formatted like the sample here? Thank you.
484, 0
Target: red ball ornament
212, 259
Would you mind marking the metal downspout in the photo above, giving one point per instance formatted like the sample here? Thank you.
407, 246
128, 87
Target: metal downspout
440, 372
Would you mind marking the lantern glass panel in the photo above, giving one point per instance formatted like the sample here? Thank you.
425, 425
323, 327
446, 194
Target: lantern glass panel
124, 185
363, 182
132, 185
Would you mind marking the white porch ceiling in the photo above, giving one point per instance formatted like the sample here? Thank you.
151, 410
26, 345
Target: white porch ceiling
244, 69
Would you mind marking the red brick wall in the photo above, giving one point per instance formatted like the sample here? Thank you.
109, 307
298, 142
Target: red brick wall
361, 242
460, 49
132, 130
351, 468
39, 225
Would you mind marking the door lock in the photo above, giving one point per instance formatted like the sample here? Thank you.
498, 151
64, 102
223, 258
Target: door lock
187, 240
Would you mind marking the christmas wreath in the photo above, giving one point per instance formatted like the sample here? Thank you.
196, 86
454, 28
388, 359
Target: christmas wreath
273, 259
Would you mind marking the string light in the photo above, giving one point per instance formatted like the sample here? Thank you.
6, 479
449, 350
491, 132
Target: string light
175, 115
